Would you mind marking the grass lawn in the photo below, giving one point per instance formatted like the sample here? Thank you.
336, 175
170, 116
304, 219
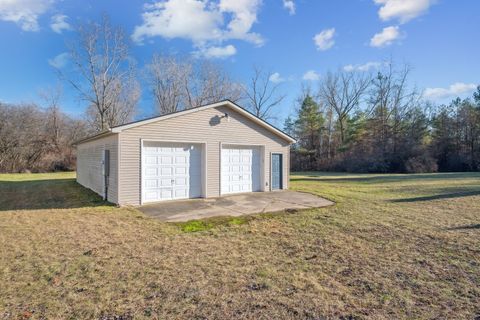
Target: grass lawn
394, 246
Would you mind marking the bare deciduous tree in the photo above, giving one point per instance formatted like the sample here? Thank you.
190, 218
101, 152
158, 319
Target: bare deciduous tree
209, 83
391, 99
262, 94
30, 141
183, 84
342, 91
51, 96
104, 74
167, 78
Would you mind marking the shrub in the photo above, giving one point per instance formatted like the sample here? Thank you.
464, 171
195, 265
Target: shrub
421, 164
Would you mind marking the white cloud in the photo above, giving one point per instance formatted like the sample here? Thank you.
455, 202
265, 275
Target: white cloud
207, 23
290, 6
58, 23
386, 37
59, 61
363, 67
403, 10
324, 40
244, 14
24, 13
453, 90
276, 78
217, 52
188, 19
311, 75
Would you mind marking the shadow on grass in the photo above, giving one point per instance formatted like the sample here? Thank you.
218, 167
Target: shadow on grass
380, 178
439, 196
465, 227
46, 194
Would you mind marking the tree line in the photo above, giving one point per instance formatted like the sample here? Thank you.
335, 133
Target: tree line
353, 121
358, 122
38, 139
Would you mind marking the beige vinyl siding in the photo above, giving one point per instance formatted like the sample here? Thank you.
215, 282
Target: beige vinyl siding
89, 165
206, 126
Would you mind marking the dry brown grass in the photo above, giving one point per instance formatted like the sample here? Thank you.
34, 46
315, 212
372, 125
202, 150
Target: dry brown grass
393, 247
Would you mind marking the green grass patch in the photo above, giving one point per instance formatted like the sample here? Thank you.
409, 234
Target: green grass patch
238, 221
196, 226
211, 223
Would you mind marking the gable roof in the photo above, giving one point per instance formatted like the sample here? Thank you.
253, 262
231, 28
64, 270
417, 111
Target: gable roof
225, 103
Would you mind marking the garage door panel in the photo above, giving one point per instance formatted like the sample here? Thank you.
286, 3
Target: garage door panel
181, 182
181, 170
151, 195
166, 160
151, 183
166, 171
171, 171
165, 182
165, 194
151, 172
150, 159
180, 160
181, 193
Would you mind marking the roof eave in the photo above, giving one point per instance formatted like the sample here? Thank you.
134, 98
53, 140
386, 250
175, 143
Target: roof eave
94, 137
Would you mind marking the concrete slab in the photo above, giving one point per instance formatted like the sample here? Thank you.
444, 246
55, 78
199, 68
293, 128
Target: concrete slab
234, 205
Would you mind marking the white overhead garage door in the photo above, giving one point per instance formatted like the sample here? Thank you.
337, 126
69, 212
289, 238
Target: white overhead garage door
240, 169
171, 171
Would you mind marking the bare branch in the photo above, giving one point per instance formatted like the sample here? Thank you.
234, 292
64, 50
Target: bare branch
262, 95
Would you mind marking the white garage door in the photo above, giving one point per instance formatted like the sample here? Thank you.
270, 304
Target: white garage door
171, 171
240, 169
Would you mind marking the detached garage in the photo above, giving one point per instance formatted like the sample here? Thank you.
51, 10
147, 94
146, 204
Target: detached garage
208, 151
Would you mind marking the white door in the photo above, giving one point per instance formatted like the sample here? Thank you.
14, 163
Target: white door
171, 171
240, 169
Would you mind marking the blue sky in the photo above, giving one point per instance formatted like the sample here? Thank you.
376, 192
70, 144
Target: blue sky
298, 39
